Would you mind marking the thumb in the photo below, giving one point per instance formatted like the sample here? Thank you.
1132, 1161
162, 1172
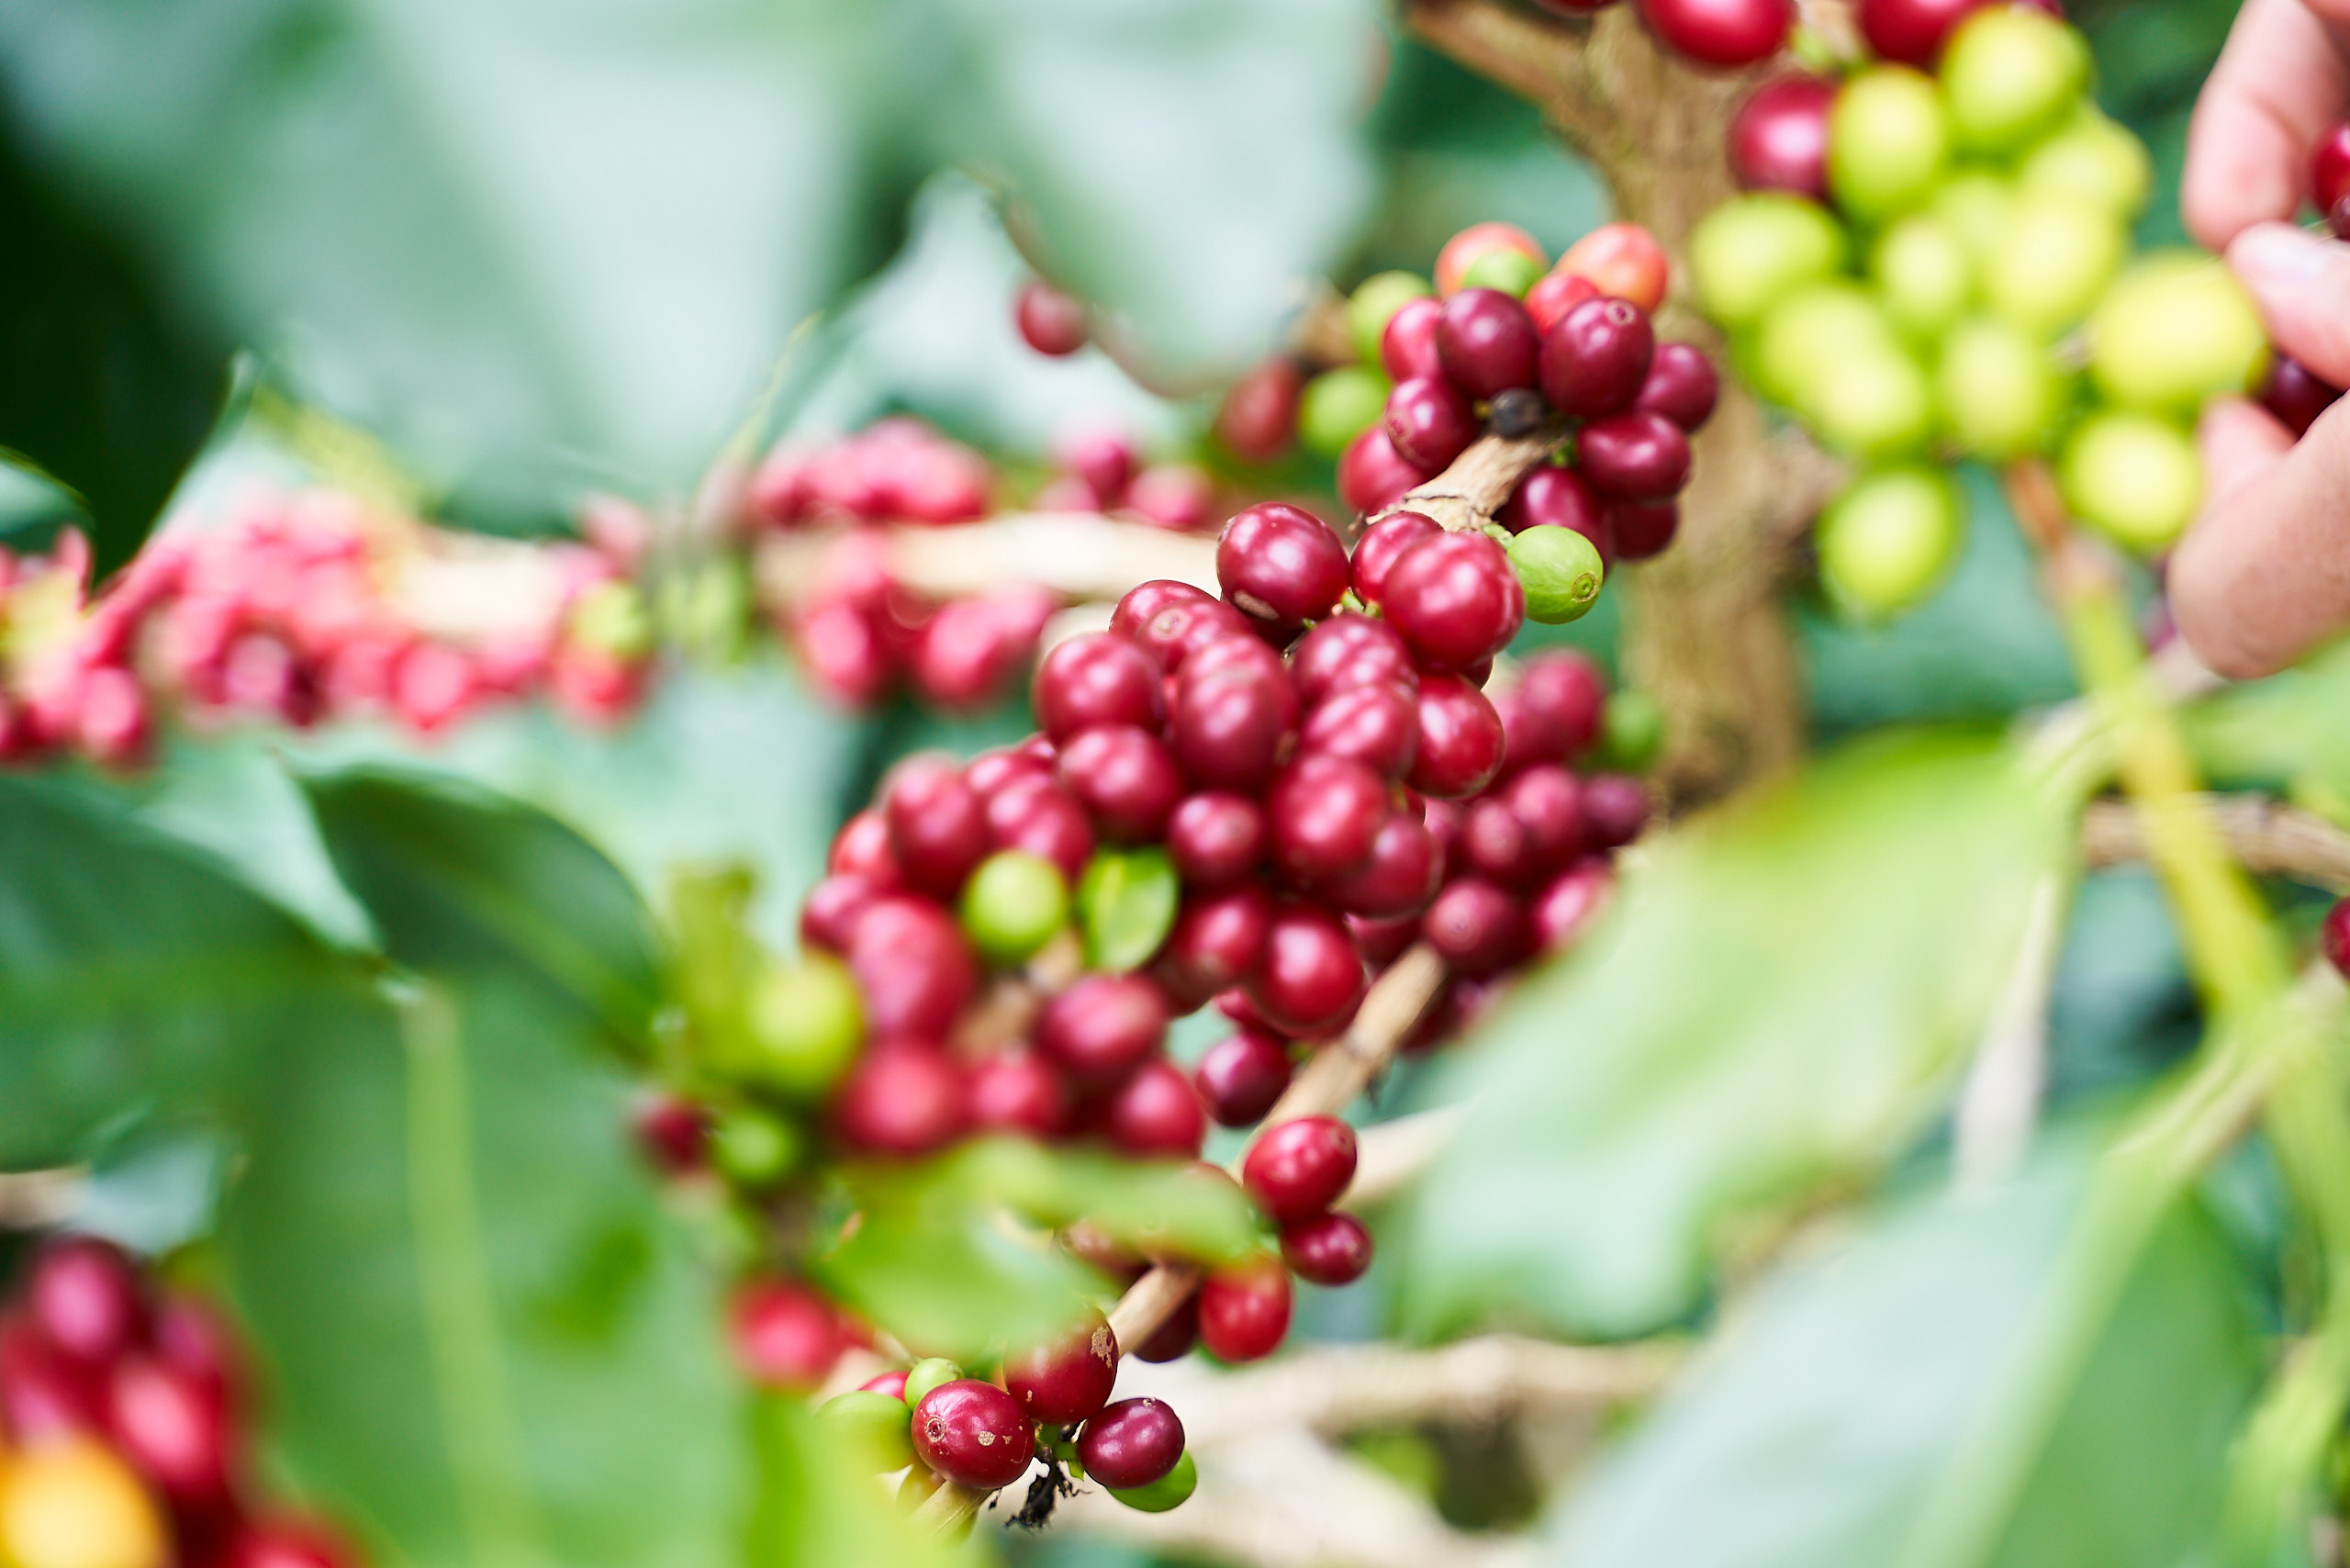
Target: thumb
2302, 283
2264, 576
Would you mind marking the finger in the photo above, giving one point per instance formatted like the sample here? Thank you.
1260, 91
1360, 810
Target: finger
2239, 440
2280, 83
2265, 575
2301, 281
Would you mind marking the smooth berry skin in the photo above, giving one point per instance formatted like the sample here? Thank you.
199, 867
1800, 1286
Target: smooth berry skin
1642, 530
1035, 815
176, 1434
85, 1299
1373, 476
1460, 739
1354, 650
1242, 1076
1546, 802
783, 1335
1131, 1443
1428, 422
1477, 927
1614, 810
1778, 141
1325, 811
43, 1393
913, 967
1682, 384
1493, 842
1912, 31
1407, 350
1622, 259
2329, 169
1566, 908
1067, 1380
1594, 361
1281, 563
1216, 942
1157, 1115
2334, 937
992, 772
1377, 725
1018, 1092
1638, 456
1330, 1250
1550, 300
1454, 600
2294, 396
861, 848
1244, 1311
904, 1098
974, 1434
1558, 498
1727, 34
1142, 602
938, 825
1104, 1027
1399, 877
289, 1543
1049, 321
833, 908
1230, 721
1177, 633
1173, 1339
1564, 699
1126, 778
1258, 419
1310, 977
1102, 461
1217, 839
1094, 678
892, 1383
1298, 1170
1383, 940
1486, 342
672, 1133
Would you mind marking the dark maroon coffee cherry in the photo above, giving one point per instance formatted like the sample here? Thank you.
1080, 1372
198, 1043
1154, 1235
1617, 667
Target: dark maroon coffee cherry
1094, 678
1173, 1339
673, 1134
1258, 419
1566, 908
2333, 937
1546, 801
1373, 476
1244, 1311
1157, 1115
832, 911
1383, 941
1460, 739
1517, 412
1594, 360
913, 968
1035, 815
1778, 141
1564, 699
1231, 718
1615, 810
1310, 977
1143, 603
175, 1433
938, 826
974, 1434
1400, 876
1216, 942
1454, 600
1104, 1027
44, 1394
1354, 650
1049, 321
1281, 563
1486, 342
1126, 778
1324, 813
1724, 33
1298, 1170
861, 848
1429, 422
992, 771
1638, 456
1217, 839
1018, 1092
1330, 1250
1132, 1443
1407, 350
1912, 31
1241, 1077
1478, 927
1067, 1379
1643, 528
1556, 498
904, 1098
1492, 842
1377, 725
2294, 396
1682, 386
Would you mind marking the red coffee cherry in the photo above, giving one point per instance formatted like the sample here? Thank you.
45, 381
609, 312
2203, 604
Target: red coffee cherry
175, 1433
1682, 384
892, 1383
1132, 1443
938, 827
1377, 725
1407, 348
1172, 1339
1145, 600
1034, 813
1357, 650
1477, 927
1725, 33
1329, 1249
1912, 31
1231, 718
1563, 697
1125, 780
670, 1130
1492, 842
1546, 802
85, 1299
1216, 942
1557, 293
861, 848
1049, 321
1324, 813
1217, 839
1298, 1168
1179, 631
2335, 937
1558, 498
1281, 563
913, 966
1563, 910
44, 1394
1244, 1311
1259, 420
1779, 140
1157, 1115
1068, 1380
902, 1099
1429, 422
783, 1334
1018, 1092
1642, 528
290, 1543
192, 1336
1241, 1077
1486, 342
992, 772
1310, 977
1373, 476
1615, 810
974, 1434
1400, 876
1460, 739
1638, 456
1454, 600
1096, 678
2293, 395
1594, 360
1104, 1027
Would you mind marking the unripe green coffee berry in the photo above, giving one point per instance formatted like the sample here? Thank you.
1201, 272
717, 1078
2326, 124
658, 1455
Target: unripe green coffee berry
1170, 1491
755, 1148
1887, 541
2011, 75
1339, 405
1887, 140
2133, 477
1922, 274
1753, 251
1974, 204
1631, 732
2054, 260
931, 1372
1012, 905
875, 1431
1811, 335
2093, 162
1998, 387
1510, 271
1373, 302
610, 618
1876, 404
1560, 571
2176, 330
805, 1021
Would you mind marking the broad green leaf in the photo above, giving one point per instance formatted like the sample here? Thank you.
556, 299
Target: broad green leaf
2286, 731
816, 1511
1781, 1000
1125, 906
1844, 1390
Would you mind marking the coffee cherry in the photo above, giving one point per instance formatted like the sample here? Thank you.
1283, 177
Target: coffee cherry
1492, 842
1559, 571
1748, 253
1140, 603
1033, 814
1241, 1077
1373, 476
1217, 839
1594, 361
783, 1335
2330, 168
1244, 1311
938, 831
2055, 261
1066, 1380
1298, 1170
1623, 261
1460, 739
2294, 396
1374, 303
1012, 905
2010, 75
1018, 1092
1179, 631
2136, 478
1095, 678
1280, 563
1383, 941
1912, 31
1310, 977
74, 1504
2335, 939
1614, 810
1778, 141
2092, 162
1888, 142
1638, 456
861, 848
2174, 332
1324, 813
673, 1134
290, 1543
1398, 878
1231, 718
1175, 496
1260, 414
1486, 342
1563, 910
1554, 713
1453, 262
805, 1021
1477, 927
1505, 271
1049, 321
913, 970
1131, 1443
1375, 724
1172, 1339
1428, 422
1407, 348
931, 1371
873, 1430
1550, 300
1553, 496
1126, 778
1884, 543
1682, 384
1104, 1027
1725, 33
1338, 406
1377, 551
974, 1434
1454, 601
1157, 1115
1329, 1249
904, 1098
892, 1383
1217, 940
1998, 387
755, 1148
1546, 801
85, 1299
179, 1436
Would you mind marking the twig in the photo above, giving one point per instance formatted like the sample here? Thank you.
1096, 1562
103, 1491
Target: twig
35, 1200
1468, 494
2001, 1099
2270, 838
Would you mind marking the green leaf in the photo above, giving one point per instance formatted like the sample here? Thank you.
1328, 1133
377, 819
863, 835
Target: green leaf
816, 1512
1780, 1001
2283, 732
1125, 906
1848, 1386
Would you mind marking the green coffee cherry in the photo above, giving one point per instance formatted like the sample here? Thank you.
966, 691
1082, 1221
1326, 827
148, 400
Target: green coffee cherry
1922, 274
875, 1431
805, 1022
611, 619
1876, 404
2133, 477
755, 1148
1012, 905
2054, 260
1811, 335
1560, 571
1998, 387
1974, 202
2093, 161
1511, 270
1374, 301
1170, 1490
1753, 251
2176, 330
931, 1372
1887, 140
1631, 731
1339, 405
1887, 541
2011, 75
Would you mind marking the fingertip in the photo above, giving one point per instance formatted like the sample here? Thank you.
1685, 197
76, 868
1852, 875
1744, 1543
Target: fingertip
2239, 440
2241, 169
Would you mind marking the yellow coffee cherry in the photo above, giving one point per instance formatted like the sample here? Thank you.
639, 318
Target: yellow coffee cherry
74, 1504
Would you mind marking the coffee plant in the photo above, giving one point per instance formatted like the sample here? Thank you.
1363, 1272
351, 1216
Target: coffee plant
1323, 841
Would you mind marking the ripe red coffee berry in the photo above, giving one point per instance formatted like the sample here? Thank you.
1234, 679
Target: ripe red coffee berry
974, 1434
1615, 810
938, 827
1373, 476
85, 1299
178, 1435
1477, 927
783, 1334
1281, 563
1725, 33
1324, 813
1298, 1168
1429, 422
902, 1099
1682, 384
1049, 321
913, 968
1066, 1380
1492, 842
1018, 1092
1244, 1311
1642, 528
1259, 414
1400, 876
1558, 498
1126, 778
1216, 942
1460, 739
1546, 801
2336, 938
1454, 600
1330, 1250
1103, 1028
1622, 259
1157, 1115
290, 1543
1311, 977
1094, 678
1407, 348
892, 1383
1486, 342
1377, 725
861, 848
1035, 815
1231, 718
1638, 456
1357, 650
1912, 31
1557, 293
1217, 839
2330, 168
2296, 397
1778, 141
1594, 361
1132, 1443
1145, 600
1173, 1339
1562, 911
1241, 1076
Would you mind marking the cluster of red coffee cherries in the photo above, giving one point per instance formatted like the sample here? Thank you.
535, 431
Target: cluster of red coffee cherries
122, 1444
291, 612
2293, 393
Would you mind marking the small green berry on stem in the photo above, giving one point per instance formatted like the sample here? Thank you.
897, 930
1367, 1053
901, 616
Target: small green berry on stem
1014, 904
1560, 571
